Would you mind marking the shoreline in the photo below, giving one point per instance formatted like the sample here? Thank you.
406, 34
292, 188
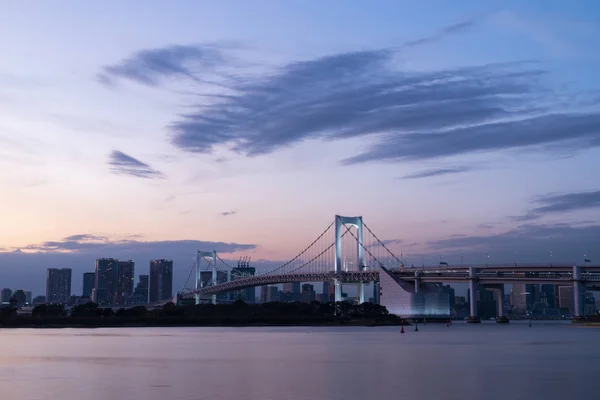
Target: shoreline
172, 323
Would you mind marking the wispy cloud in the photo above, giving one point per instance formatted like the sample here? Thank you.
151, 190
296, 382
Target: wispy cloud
442, 33
124, 164
486, 226
438, 172
150, 66
86, 237
387, 242
526, 243
560, 203
96, 244
407, 115
228, 213
567, 202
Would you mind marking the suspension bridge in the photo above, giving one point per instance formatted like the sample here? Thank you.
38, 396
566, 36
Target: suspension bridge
349, 252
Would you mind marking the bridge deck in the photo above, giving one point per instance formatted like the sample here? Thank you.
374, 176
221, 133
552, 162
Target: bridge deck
554, 274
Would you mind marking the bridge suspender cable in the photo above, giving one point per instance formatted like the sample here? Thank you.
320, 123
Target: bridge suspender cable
318, 255
189, 276
381, 243
301, 253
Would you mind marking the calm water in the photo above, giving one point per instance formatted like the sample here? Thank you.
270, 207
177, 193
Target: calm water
547, 361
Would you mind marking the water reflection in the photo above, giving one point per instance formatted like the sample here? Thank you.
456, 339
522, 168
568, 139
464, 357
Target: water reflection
548, 360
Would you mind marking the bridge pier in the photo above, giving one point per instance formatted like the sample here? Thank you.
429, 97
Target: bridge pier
578, 291
338, 290
199, 284
473, 292
361, 292
417, 281
500, 300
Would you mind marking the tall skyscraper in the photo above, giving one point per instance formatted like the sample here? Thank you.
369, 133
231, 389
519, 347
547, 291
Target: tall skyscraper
58, 285
105, 286
5, 295
28, 298
140, 295
161, 280
89, 280
125, 277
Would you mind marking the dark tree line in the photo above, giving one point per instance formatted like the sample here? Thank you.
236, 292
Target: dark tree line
237, 313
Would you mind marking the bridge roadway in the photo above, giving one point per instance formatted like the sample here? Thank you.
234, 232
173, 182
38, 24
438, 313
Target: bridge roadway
488, 275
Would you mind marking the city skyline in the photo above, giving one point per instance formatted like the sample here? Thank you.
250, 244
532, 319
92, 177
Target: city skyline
464, 132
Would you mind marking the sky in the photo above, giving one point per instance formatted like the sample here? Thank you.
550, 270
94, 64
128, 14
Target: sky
151, 129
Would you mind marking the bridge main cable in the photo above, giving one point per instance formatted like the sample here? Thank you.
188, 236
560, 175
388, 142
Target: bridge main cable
301, 253
320, 254
381, 243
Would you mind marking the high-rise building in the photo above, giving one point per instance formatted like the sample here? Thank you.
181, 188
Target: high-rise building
522, 296
272, 294
89, 280
161, 280
28, 298
246, 295
5, 295
140, 295
548, 295
125, 278
58, 285
264, 290
308, 293
566, 298
292, 291
105, 285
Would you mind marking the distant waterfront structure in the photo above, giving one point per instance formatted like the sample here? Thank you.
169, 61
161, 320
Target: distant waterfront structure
292, 291
106, 280
243, 270
566, 298
272, 294
38, 300
19, 297
308, 293
58, 285
416, 300
5, 295
125, 278
140, 294
89, 280
206, 280
161, 280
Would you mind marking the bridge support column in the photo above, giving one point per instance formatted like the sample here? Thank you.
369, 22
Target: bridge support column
340, 221
376, 292
338, 290
199, 284
500, 300
361, 292
578, 291
473, 292
417, 281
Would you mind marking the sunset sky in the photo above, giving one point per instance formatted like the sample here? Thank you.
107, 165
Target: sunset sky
148, 129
